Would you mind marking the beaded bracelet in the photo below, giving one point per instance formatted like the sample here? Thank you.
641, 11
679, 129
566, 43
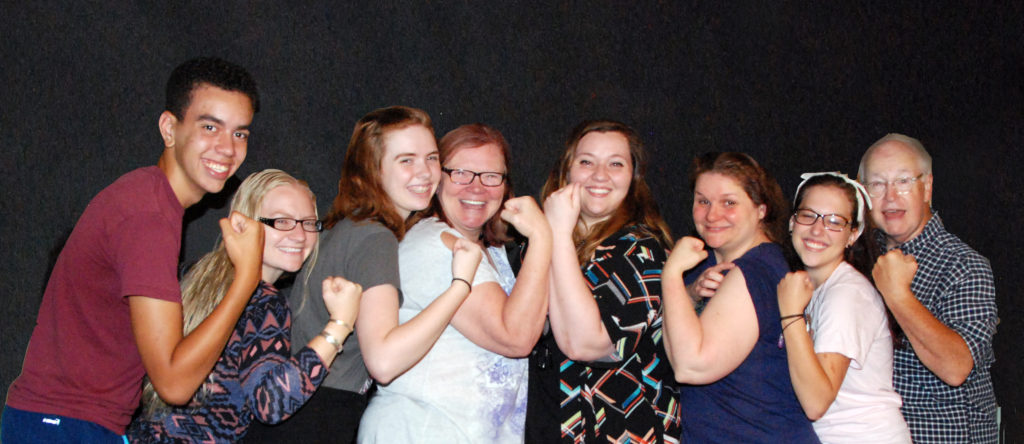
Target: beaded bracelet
782, 340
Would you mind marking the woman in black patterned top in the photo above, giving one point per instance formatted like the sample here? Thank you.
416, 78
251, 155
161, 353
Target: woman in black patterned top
605, 310
256, 377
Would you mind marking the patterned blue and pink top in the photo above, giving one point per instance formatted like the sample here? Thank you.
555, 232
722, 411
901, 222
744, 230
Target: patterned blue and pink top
255, 378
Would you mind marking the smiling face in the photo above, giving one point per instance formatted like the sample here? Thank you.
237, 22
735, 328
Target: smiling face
725, 216
469, 207
286, 250
602, 164
822, 250
410, 169
901, 216
206, 146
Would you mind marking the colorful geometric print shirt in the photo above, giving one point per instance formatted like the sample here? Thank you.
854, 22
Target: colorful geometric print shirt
955, 284
255, 378
630, 398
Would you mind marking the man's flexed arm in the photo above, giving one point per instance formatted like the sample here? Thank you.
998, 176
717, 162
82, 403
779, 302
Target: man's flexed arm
940, 348
178, 364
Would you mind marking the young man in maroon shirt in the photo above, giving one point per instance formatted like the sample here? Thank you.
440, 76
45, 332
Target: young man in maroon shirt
111, 312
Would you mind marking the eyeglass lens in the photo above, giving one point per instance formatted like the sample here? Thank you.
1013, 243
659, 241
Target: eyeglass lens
902, 185
285, 224
465, 177
832, 222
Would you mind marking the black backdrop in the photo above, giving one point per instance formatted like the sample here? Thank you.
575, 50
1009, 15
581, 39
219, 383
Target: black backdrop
800, 86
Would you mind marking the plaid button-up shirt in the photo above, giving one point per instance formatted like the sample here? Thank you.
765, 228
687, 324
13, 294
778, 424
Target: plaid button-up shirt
955, 284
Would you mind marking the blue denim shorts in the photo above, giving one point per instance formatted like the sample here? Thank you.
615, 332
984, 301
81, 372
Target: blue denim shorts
20, 426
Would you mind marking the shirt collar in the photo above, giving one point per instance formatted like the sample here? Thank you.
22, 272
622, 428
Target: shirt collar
931, 230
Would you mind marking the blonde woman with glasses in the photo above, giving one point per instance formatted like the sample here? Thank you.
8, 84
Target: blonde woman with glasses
256, 378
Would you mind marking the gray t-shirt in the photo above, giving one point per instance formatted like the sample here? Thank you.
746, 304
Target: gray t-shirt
363, 252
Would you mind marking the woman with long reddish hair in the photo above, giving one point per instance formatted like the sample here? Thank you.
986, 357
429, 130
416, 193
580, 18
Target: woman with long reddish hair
471, 386
391, 170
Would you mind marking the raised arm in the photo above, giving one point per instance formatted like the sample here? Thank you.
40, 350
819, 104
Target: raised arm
276, 387
511, 324
575, 318
175, 364
704, 349
341, 297
940, 348
816, 377
390, 349
687, 253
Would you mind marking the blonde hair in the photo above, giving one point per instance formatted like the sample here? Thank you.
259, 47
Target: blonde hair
209, 279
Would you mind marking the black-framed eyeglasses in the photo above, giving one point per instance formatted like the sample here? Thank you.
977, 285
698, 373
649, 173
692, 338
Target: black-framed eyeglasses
902, 185
465, 177
832, 222
286, 224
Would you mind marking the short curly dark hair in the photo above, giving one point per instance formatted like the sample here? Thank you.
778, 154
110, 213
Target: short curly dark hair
210, 71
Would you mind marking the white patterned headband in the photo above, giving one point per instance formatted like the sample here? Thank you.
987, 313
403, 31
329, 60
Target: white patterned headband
862, 194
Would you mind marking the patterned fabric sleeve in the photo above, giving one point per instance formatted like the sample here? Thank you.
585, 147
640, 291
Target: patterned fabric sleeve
625, 278
274, 384
969, 306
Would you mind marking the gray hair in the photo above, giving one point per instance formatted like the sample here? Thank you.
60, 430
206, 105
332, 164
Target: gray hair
924, 160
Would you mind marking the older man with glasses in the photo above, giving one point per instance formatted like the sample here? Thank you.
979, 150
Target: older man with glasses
942, 295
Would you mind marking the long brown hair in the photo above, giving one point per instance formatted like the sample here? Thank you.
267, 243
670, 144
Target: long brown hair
206, 283
361, 195
760, 187
637, 208
472, 136
863, 251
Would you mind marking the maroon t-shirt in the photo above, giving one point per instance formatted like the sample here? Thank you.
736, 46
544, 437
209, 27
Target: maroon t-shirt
82, 361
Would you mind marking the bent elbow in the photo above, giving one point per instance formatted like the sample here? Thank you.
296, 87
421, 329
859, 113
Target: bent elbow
695, 375
384, 371
957, 373
522, 346
956, 378
815, 413
517, 351
684, 376
815, 405
382, 379
508, 348
578, 357
382, 376
174, 395
584, 355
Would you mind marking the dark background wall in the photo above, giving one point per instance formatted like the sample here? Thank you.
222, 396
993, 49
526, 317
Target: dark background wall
800, 86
